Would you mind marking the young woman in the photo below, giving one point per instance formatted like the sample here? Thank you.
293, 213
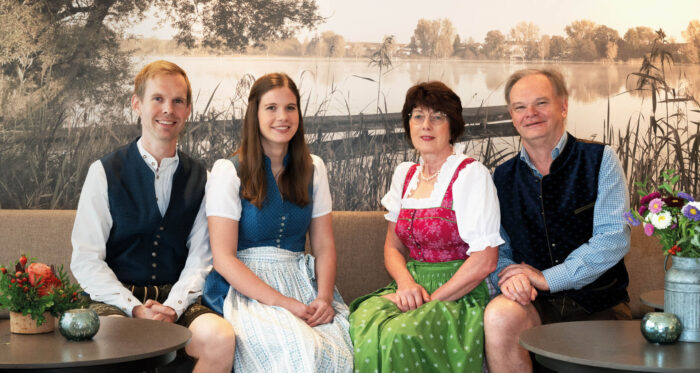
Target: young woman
260, 204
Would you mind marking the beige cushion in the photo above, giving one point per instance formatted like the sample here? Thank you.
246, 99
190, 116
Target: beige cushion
359, 240
645, 265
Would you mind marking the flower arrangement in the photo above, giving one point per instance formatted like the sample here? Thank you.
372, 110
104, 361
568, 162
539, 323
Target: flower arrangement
34, 288
672, 216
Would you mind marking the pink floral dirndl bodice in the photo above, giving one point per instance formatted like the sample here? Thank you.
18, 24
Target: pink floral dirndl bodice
431, 234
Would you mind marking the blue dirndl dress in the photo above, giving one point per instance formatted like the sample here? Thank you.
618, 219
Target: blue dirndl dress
268, 338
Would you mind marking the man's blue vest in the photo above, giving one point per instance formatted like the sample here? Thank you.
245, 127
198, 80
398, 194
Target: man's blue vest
546, 219
145, 248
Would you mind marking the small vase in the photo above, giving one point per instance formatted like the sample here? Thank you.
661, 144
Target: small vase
79, 324
682, 295
661, 327
24, 324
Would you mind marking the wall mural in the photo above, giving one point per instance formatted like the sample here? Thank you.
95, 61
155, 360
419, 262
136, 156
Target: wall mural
68, 66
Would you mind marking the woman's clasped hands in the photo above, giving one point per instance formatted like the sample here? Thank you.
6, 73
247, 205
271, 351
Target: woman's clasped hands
409, 297
318, 312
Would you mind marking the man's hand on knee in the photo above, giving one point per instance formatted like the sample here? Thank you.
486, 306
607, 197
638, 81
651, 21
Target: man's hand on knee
518, 289
533, 274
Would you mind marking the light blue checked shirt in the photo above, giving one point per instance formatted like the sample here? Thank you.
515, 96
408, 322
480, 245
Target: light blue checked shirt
611, 236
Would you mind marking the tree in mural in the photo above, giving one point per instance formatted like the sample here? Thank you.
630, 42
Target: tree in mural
495, 44
691, 50
73, 46
580, 34
434, 38
605, 40
62, 60
328, 44
636, 42
558, 47
526, 35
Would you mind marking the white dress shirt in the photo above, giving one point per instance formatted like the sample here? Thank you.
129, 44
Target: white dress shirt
93, 223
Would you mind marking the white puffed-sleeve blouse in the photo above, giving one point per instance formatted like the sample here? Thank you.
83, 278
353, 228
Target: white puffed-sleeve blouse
475, 200
223, 187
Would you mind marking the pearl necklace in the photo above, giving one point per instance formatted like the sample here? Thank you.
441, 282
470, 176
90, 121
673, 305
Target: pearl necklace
428, 178
433, 176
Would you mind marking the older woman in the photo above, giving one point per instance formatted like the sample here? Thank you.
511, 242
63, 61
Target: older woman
444, 215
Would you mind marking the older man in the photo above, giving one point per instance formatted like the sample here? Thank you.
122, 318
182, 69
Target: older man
140, 240
562, 201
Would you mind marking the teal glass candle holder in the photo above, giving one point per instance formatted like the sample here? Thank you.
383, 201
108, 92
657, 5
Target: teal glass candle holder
79, 324
661, 327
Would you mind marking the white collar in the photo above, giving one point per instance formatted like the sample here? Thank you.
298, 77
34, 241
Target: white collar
151, 161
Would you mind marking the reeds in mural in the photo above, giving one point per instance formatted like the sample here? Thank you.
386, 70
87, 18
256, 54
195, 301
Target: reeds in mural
46, 152
666, 137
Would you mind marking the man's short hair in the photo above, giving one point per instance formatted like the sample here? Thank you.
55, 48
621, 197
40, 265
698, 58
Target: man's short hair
160, 67
554, 76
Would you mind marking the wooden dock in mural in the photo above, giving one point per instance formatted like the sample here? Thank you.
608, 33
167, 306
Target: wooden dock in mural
341, 136
368, 131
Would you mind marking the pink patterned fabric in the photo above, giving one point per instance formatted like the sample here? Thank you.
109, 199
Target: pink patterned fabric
431, 234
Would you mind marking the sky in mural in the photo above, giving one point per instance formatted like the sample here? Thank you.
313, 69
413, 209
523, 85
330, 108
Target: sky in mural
370, 20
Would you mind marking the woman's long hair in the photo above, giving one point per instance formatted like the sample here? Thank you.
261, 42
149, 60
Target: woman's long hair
294, 181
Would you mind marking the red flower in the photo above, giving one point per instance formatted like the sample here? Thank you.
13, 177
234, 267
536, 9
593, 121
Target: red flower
646, 199
42, 278
23, 260
673, 201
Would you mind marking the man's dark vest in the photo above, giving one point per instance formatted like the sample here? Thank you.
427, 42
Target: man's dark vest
546, 219
145, 248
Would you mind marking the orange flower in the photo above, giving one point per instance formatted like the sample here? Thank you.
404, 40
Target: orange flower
42, 278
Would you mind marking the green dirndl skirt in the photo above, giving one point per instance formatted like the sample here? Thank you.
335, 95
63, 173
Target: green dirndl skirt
436, 337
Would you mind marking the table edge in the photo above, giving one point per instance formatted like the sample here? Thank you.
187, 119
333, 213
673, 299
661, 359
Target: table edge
595, 363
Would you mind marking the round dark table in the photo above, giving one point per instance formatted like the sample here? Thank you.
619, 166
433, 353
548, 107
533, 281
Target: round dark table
606, 346
653, 298
121, 345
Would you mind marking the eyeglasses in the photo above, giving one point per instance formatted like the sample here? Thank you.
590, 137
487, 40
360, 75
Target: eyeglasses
418, 117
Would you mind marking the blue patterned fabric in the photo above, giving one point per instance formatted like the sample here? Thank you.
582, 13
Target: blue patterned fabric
271, 339
279, 223
568, 266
